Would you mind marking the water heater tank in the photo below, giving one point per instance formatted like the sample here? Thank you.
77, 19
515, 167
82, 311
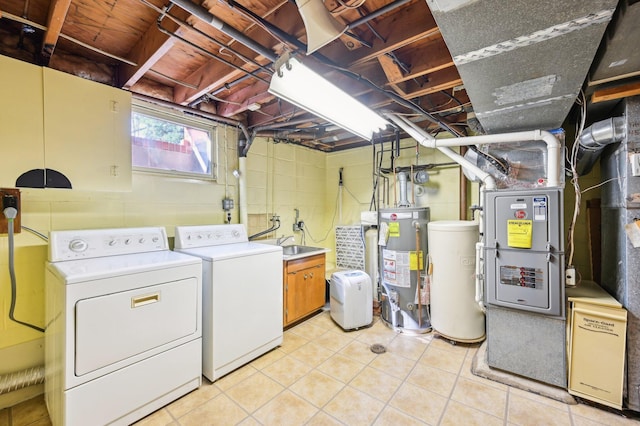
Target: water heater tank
454, 311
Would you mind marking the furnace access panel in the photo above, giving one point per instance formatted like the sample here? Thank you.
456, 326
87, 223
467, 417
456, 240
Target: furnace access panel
524, 250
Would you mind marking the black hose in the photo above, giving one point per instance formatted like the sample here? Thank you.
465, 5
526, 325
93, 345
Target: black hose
12, 274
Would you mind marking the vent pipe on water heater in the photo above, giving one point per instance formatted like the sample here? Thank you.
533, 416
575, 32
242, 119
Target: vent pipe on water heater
404, 201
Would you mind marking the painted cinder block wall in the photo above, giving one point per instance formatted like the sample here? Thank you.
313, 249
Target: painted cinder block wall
281, 178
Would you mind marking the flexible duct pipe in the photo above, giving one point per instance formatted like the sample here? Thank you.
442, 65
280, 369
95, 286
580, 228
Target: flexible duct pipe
595, 138
13, 381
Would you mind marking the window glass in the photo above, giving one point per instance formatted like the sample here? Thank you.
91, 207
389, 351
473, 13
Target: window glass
168, 143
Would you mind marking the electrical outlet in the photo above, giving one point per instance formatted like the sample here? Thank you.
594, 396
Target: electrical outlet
570, 275
635, 163
9, 197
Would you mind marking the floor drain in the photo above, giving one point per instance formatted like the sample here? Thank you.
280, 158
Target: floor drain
377, 348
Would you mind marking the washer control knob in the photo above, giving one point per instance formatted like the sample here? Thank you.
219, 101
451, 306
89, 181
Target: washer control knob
112, 243
236, 233
78, 246
127, 241
141, 240
155, 239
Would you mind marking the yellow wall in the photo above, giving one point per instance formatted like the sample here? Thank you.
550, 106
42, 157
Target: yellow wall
281, 178
441, 193
154, 201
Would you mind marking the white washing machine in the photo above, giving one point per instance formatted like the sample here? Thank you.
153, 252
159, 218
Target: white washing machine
242, 295
123, 334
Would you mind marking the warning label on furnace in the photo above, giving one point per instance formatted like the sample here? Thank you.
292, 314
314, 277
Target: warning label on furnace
396, 268
519, 233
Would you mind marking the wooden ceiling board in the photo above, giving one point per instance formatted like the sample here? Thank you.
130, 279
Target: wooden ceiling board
188, 73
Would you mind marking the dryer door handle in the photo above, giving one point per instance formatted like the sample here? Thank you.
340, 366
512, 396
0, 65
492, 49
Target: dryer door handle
139, 301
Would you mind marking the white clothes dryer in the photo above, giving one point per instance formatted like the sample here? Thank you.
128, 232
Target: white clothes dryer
123, 315
242, 295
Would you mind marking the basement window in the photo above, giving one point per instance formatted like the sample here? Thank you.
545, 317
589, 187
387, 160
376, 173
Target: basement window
172, 143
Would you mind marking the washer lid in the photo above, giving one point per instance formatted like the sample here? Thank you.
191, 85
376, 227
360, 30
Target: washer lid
80, 270
227, 251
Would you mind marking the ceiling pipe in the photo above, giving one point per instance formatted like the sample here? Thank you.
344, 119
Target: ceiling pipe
428, 141
286, 134
280, 34
214, 117
375, 14
554, 148
204, 15
209, 54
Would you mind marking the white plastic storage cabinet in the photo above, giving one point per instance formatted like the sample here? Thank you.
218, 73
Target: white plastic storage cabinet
351, 299
596, 345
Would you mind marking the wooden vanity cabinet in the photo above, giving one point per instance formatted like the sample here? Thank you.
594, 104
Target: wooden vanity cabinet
304, 287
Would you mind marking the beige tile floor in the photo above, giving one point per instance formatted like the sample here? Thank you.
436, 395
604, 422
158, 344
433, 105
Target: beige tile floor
322, 375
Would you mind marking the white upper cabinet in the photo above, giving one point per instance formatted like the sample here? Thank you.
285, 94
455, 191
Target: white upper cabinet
87, 132
53, 121
21, 125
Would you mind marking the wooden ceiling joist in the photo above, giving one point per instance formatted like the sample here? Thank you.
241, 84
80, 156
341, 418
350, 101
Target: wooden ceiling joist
57, 14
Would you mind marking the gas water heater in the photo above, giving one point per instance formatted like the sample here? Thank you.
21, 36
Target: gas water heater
403, 248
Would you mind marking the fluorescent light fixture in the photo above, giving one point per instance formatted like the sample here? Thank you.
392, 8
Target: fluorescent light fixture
299, 85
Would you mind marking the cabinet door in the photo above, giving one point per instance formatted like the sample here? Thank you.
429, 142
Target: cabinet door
21, 124
296, 296
304, 292
316, 287
87, 132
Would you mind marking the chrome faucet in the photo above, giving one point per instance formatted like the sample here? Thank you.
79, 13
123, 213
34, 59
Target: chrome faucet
282, 239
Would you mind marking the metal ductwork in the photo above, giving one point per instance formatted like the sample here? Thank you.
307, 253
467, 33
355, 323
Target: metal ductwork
595, 138
522, 63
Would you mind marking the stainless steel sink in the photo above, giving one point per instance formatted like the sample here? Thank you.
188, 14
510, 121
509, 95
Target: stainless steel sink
294, 250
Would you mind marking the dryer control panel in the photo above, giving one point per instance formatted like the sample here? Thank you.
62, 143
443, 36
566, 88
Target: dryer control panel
92, 243
209, 235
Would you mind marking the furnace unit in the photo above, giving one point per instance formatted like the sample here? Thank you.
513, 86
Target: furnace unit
524, 250
524, 283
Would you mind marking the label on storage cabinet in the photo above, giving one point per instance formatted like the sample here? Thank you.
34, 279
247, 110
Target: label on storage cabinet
598, 325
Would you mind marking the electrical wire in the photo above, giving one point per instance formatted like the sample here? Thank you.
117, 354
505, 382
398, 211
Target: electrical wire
353, 196
333, 221
8, 212
573, 160
33, 231
602, 183
346, 6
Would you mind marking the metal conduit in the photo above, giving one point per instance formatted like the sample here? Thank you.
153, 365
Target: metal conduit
206, 52
280, 34
204, 15
375, 14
